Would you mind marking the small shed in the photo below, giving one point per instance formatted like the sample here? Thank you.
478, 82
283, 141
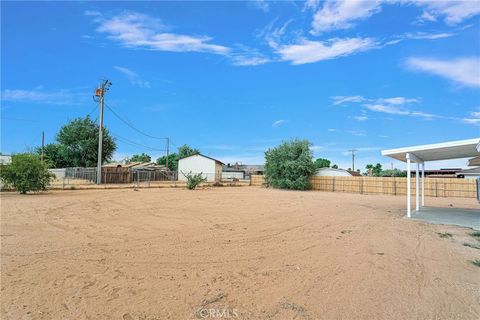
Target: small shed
210, 168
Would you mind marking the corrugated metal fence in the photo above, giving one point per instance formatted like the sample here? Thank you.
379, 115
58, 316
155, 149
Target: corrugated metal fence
434, 187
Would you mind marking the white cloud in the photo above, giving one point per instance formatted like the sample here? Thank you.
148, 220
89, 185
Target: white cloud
394, 105
262, 5
136, 30
306, 51
331, 130
429, 36
361, 118
39, 95
133, 77
453, 12
358, 133
397, 100
474, 118
341, 14
344, 99
464, 71
278, 123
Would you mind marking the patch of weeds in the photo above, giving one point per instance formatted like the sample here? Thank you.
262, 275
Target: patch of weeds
476, 262
471, 245
475, 234
444, 234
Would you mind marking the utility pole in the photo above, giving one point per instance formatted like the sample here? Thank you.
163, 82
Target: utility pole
168, 147
100, 93
353, 158
43, 144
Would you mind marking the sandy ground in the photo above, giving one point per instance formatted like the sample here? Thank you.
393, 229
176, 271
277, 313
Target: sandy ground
226, 253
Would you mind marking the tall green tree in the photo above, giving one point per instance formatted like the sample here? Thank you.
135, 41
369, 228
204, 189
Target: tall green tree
376, 169
143, 157
77, 145
290, 165
26, 173
185, 151
322, 163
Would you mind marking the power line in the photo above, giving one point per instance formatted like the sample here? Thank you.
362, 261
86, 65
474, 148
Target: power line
131, 125
131, 142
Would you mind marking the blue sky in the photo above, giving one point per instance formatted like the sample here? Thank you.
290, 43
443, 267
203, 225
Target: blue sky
234, 79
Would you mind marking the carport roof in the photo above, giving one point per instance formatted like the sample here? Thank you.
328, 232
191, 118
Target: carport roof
438, 151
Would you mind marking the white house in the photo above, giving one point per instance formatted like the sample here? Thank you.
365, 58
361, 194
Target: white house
210, 168
332, 172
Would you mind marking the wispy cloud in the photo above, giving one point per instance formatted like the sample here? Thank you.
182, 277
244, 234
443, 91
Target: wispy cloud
394, 106
453, 12
262, 5
474, 118
133, 77
358, 133
136, 30
331, 130
342, 14
306, 51
361, 118
278, 123
344, 99
465, 71
41, 96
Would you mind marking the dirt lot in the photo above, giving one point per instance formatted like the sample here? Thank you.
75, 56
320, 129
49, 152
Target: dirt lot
245, 253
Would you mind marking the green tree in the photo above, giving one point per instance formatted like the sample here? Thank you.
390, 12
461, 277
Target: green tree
26, 173
54, 155
185, 151
335, 166
376, 169
172, 161
393, 173
77, 145
290, 165
140, 158
322, 163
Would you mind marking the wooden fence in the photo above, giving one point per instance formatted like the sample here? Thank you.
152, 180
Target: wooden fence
434, 187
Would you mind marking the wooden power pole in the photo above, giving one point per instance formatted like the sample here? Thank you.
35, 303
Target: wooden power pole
100, 93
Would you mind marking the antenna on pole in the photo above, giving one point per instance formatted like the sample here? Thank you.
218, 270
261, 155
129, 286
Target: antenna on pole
353, 158
100, 96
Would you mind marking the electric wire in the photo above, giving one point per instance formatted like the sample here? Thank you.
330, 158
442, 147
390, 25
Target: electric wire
131, 125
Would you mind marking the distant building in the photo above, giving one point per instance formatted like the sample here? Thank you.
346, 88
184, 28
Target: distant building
331, 172
472, 173
241, 171
210, 168
5, 159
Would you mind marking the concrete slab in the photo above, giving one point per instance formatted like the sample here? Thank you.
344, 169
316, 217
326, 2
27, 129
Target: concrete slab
469, 218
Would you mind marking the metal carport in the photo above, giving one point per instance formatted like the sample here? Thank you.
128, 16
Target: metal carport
431, 152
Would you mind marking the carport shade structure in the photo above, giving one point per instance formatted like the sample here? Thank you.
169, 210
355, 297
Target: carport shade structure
431, 152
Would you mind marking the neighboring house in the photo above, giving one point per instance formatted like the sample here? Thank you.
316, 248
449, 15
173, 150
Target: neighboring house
473, 173
210, 168
331, 172
5, 159
144, 166
242, 171
442, 173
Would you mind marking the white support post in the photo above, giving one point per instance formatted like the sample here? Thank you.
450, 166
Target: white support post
417, 186
408, 186
423, 184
